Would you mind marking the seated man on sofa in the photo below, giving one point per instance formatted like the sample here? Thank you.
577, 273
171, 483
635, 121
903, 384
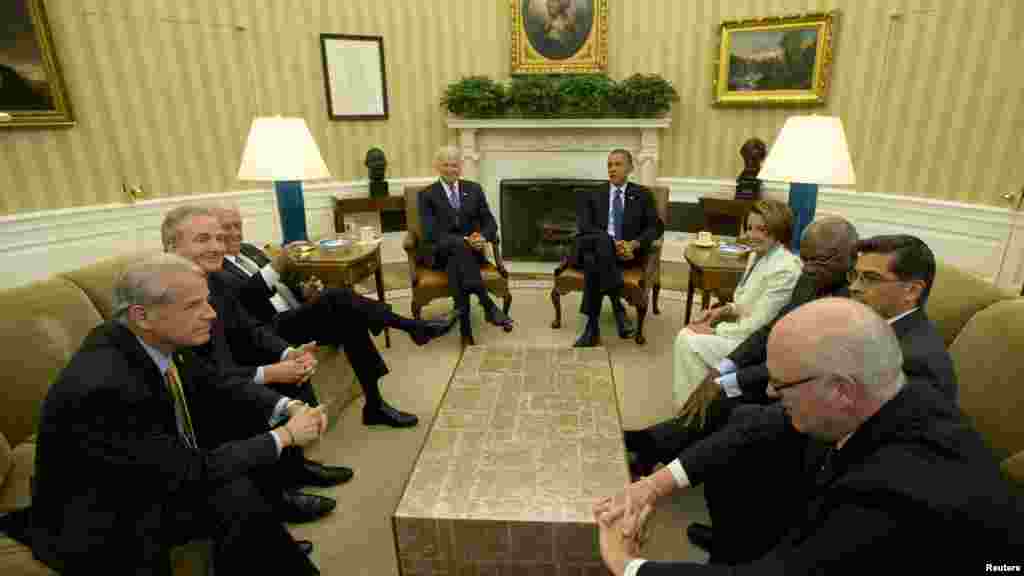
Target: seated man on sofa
893, 275
241, 346
126, 465
335, 316
892, 474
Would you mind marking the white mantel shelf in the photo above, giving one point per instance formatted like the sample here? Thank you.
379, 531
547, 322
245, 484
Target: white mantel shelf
555, 123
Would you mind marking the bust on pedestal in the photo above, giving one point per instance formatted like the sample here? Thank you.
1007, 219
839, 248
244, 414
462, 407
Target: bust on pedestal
753, 152
376, 164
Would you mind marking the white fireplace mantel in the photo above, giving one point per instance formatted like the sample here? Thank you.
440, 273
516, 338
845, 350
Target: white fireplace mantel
490, 140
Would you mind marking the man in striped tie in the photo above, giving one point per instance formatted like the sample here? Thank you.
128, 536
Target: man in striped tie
124, 468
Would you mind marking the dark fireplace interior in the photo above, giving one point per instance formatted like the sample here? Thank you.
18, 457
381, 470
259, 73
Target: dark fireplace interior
538, 216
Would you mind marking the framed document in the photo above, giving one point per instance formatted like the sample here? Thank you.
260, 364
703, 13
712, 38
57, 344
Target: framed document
354, 77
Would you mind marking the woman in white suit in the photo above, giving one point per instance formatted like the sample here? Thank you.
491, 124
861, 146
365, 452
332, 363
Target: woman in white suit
765, 287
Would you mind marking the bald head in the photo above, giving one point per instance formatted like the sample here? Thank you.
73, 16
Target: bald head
828, 249
840, 336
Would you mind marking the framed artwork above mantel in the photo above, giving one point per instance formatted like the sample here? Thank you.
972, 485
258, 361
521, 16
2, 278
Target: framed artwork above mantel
559, 36
776, 61
32, 90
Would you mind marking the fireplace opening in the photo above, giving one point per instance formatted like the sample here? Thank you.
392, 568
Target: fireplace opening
538, 216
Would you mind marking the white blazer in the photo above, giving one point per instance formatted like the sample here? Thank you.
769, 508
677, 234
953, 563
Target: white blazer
766, 288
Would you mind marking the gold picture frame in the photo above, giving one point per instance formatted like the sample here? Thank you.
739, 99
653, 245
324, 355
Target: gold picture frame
559, 36
774, 61
32, 90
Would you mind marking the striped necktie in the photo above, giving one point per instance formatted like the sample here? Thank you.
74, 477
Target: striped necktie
180, 405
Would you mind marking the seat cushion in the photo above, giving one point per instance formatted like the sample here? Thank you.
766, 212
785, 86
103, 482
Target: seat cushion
44, 324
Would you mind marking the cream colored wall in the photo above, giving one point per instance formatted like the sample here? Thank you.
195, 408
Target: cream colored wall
164, 90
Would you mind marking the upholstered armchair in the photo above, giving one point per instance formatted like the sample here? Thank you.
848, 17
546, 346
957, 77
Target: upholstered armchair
639, 280
428, 284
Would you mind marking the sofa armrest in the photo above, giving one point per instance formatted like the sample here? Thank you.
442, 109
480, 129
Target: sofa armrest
6, 460
1013, 469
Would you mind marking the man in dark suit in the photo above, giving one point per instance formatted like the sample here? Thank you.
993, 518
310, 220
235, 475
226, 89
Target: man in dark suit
457, 225
244, 347
891, 473
334, 316
125, 468
617, 226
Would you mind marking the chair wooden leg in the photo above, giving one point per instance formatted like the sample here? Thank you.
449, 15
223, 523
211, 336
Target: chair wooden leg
506, 302
654, 298
556, 300
641, 314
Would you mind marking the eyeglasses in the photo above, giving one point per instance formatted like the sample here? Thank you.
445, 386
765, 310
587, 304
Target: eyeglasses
867, 278
780, 386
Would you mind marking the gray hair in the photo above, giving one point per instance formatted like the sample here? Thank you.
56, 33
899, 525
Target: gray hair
170, 228
446, 153
858, 344
143, 283
625, 154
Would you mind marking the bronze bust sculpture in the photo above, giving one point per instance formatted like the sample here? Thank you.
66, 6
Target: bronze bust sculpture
376, 164
753, 152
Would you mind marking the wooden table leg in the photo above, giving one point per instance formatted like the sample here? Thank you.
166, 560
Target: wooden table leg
378, 277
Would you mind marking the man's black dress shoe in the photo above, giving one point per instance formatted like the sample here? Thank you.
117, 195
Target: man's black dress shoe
388, 415
305, 546
498, 318
316, 474
427, 330
700, 535
297, 507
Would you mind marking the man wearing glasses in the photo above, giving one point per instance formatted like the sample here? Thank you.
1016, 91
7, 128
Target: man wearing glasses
890, 472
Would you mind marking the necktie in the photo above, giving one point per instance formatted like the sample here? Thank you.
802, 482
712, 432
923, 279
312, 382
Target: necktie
757, 260
180, 405
617, 210
453, 196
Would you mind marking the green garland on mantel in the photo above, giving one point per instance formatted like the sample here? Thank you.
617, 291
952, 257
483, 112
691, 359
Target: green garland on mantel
561, 96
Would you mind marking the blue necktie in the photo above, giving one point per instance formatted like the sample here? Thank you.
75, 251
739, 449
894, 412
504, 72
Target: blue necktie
617, 211
453, 196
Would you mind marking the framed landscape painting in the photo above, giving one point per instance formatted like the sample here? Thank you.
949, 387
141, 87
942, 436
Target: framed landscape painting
32, 91
774, 61
559, 36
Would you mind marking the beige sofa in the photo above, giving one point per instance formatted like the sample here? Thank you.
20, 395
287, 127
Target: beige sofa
43, 324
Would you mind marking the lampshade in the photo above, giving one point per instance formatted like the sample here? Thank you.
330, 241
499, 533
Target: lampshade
810, 150
281, 149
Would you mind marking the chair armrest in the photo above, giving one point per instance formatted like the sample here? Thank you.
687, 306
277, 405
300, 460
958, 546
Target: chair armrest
1013, 469
410, 242
499, 263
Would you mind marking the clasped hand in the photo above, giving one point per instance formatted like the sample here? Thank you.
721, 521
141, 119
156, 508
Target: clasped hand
624, 249
311, 289
622, 521
299, 365
476, 241
304, 423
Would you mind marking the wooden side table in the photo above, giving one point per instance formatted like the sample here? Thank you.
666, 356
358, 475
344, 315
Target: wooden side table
710, 270
342, 268
383, 204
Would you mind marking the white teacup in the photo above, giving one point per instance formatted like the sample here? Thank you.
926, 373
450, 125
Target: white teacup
704, 237
368, 233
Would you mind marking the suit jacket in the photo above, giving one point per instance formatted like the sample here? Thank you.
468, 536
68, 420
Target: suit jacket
640, 219
914, 485
750, 356
924, 353
250, 341
766, 289
444, 227
253, 291
109, 459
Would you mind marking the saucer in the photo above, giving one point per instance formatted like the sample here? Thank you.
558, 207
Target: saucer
707, 244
